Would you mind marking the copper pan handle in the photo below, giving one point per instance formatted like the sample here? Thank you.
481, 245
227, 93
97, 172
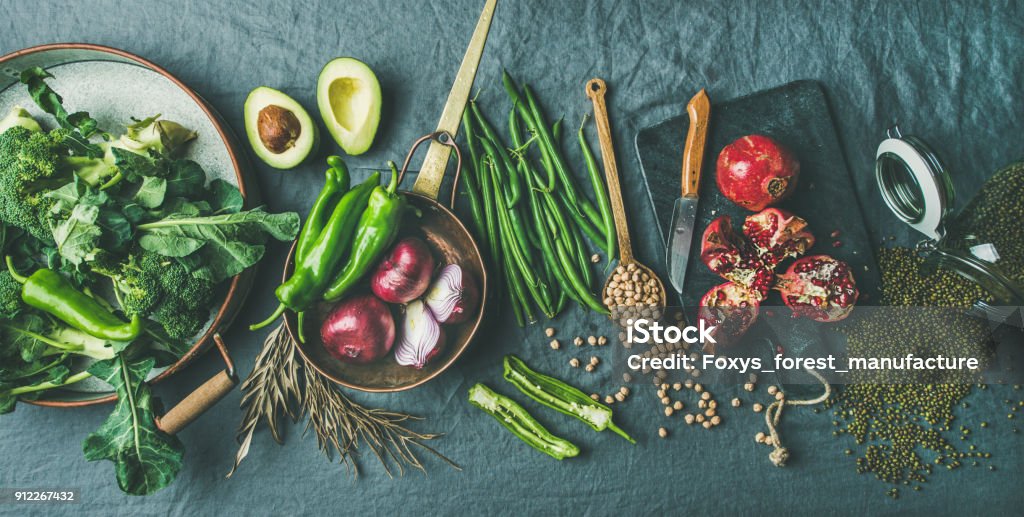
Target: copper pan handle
203, 398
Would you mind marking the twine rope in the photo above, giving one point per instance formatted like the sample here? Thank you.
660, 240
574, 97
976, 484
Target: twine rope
780, 455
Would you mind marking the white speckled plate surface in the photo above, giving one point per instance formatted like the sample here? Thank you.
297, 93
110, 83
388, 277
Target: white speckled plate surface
114, 90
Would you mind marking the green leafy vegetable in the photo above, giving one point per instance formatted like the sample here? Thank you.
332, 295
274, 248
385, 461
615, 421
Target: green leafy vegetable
78, 236
230, 243
152, 192
145, 458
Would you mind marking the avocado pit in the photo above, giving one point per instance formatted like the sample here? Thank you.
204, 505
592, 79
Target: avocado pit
278, 128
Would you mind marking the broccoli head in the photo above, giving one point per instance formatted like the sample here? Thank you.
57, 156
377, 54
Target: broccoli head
29, 167
149, 284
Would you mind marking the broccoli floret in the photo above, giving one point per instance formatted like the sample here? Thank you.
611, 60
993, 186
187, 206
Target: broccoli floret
10, 296
28, 169
149, 284
96, 172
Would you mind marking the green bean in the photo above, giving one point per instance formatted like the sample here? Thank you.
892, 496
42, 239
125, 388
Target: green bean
531, 124
515, 182
470, 178
490, 217
511, 248
582, 257
547, 248
515, 297
577, 283
600, 193
592, 232
548, 145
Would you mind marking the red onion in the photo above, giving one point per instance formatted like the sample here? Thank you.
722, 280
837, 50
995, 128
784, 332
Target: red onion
404, 274
453, 296
358, 330
422, 337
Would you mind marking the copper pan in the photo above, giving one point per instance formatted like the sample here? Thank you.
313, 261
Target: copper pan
451, 243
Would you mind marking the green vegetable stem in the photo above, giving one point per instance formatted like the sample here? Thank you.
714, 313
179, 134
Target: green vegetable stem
522, 424
376, 230
50, 292
560, 396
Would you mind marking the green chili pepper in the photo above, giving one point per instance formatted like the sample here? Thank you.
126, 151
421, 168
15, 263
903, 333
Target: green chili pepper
50, 292
377, 228
521, 423
560, 396
337, 181
311, 276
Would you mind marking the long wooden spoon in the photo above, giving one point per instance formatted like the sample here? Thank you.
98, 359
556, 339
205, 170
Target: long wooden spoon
628, 264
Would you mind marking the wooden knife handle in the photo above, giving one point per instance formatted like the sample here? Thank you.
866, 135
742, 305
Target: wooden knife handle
699, 110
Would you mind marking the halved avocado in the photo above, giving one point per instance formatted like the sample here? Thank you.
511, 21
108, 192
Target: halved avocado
279, 128
349, 98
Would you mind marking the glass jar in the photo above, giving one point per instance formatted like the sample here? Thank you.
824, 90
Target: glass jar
983, 243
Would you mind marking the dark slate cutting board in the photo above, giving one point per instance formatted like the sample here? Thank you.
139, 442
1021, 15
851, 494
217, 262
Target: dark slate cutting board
797, 115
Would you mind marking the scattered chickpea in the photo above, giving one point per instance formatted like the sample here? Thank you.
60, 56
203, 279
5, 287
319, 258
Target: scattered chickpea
661, 394
753, 377
662, 432
695, 372
702, 404
688, 419
759, 437
665, 401
608, 399
627, 377
757, 407
677, 386
550, 331
705, 396
668, 411
709, 413
589, 368
624, 391
664, 386
698, 388
715, 420
574, 362
768, 440
555, 345
591, 340
713, 404
699, 418
595, 396
578, 341
677, 405
772, 390
594, 360
749, 386
780, 395
736, 402
620, 397
706, 424
595, 258
688, 384
602, 341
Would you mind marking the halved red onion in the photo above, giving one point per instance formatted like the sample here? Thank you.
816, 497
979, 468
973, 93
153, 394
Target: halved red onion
453, 295
422, 336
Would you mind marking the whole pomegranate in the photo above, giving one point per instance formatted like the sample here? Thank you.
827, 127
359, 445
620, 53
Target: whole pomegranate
729, 255
777, 235
731, 309
818, 287
755, 172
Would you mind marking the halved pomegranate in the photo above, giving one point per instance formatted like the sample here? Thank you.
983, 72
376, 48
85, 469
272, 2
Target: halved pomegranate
731, 309
777, 234
819, 287
729, 255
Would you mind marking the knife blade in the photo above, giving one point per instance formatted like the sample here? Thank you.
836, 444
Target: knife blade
684, 212
428, 181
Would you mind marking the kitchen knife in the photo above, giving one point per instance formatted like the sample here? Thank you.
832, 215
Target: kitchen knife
684, 212
438, 154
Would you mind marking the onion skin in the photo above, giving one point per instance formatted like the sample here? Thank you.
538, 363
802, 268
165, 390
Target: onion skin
404, 273
453, 297
358, 330
422, 337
